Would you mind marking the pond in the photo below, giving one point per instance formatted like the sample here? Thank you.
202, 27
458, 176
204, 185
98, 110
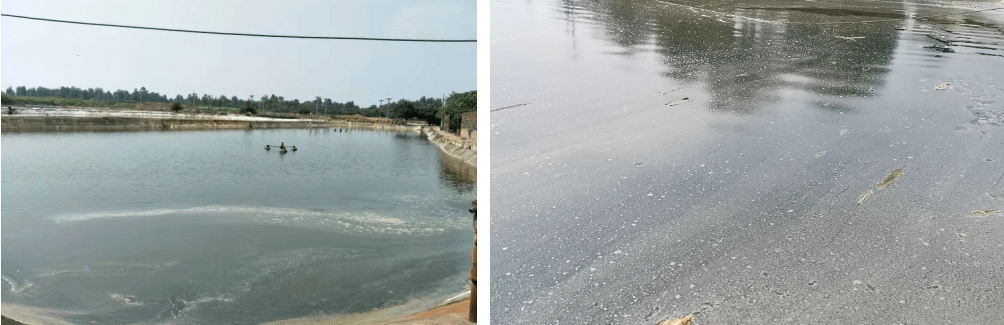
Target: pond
209, 227
748, 161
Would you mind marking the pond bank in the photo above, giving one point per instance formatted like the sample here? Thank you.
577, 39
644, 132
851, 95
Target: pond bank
459, 155
93, 120
410, 313
116, 123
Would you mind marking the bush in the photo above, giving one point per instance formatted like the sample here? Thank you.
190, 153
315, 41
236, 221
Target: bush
176, 107
249, 109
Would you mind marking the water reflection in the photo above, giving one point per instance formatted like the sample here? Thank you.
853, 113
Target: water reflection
744, 58
750, 54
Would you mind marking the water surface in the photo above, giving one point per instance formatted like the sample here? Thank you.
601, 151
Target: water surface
657, 158
208, 227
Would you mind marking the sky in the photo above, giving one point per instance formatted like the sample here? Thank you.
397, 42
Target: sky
36, 53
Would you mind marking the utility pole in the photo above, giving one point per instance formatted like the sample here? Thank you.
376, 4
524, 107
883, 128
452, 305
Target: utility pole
317, 107
381, 103
388, 106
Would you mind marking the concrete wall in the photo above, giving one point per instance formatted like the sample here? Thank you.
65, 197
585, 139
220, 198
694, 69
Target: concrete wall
469, 121
375, 126
469, 126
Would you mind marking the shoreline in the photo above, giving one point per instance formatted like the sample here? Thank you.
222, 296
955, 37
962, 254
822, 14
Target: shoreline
459, 155
412, 312
416, 311
86, 119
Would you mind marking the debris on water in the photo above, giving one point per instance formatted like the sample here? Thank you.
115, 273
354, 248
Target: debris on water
639, 163
126, 300
982, 213
679, 321
943, 86
820, 154
961, 236
671, 91
864, 197
852, 38
834, 62
682, 101
889, 179
844, 131
871, 89
510, 106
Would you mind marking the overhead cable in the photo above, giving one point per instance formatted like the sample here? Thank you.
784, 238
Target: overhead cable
248, 34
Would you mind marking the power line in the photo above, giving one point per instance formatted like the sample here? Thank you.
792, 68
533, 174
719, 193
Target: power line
246, 34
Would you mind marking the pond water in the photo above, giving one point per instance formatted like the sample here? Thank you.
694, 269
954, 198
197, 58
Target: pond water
658, 158
209, 227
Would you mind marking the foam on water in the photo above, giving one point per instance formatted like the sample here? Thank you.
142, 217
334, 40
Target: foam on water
15, 285
94, 269
411, 221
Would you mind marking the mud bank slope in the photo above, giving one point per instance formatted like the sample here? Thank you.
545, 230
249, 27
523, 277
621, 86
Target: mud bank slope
85, 119
418, 311
460, 155
70, 123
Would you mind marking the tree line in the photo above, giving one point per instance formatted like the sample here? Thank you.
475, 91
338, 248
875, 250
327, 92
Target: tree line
268, 103
429, 109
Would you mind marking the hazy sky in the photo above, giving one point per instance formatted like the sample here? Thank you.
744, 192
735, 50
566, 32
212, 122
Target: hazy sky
36, 53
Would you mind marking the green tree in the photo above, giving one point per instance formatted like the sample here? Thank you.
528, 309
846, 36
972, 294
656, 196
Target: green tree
249, 108
457, 104
176, 106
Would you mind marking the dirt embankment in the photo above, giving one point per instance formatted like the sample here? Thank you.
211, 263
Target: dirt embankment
82, 119
70, 123
460, 155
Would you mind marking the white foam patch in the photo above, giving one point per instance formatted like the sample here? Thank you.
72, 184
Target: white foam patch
15, 285
412, 221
